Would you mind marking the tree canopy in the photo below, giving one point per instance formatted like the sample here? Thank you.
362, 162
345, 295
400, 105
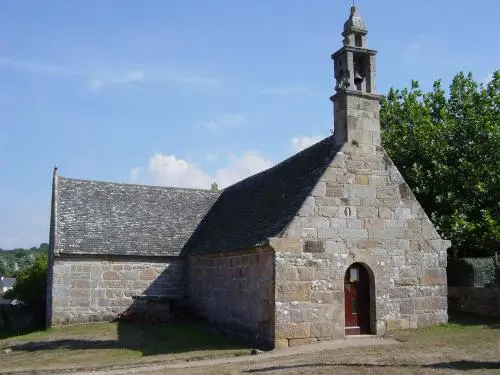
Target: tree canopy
30, 287
447, 147
13, 260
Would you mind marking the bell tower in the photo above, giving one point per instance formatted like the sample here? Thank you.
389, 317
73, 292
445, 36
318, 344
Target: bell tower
356, 105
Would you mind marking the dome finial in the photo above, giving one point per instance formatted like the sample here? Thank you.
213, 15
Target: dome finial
355, 23
355, 27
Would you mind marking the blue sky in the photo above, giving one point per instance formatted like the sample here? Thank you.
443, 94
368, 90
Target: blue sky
186, 92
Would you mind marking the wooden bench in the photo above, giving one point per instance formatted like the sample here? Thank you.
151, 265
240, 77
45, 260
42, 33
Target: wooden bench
153, 308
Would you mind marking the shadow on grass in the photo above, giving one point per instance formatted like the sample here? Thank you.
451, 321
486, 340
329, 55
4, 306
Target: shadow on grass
474, 320
454, 365
149, 339
14, 333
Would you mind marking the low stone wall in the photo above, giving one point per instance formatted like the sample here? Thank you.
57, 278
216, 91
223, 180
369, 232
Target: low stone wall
235, 293
475, 300
99, 288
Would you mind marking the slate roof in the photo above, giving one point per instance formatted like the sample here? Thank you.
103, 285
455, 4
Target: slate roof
262, 206
94, 217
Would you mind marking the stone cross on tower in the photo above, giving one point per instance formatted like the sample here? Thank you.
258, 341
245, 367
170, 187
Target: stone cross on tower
356, 106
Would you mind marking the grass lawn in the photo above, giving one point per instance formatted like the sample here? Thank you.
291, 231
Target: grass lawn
462, 346
94, 345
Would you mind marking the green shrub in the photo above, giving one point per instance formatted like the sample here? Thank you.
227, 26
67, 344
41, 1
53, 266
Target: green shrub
478, 272
31, 288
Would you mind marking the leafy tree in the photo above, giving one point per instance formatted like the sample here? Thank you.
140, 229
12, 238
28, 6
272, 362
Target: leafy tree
13, 260
447, 146
30, 287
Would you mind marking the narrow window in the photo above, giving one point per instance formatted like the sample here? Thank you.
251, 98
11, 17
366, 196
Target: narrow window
358, 41
353, 275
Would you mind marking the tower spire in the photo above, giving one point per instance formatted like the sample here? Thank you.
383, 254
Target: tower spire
354, 67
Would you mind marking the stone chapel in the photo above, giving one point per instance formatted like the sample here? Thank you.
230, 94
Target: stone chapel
331, 242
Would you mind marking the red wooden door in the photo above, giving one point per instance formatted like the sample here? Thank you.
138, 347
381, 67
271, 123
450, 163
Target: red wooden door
357, 300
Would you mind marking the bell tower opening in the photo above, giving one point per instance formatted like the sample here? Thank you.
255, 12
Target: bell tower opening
354, 71
358, 40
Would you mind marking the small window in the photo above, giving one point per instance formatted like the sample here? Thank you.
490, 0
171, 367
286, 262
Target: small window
358, 41
353, 275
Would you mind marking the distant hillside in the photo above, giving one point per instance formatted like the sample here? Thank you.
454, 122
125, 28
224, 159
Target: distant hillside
13, 260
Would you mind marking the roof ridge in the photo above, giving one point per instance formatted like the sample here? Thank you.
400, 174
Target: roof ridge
262, 205
281, 163
162, 187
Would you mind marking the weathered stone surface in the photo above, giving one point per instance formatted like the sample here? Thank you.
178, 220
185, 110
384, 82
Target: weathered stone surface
95, 289
314, 246
286, 245
293, 291
148, 274
299, 342
391, 192
434, 276
293, 331
306, 273
322, 329
397, 324
474, 300
236, 293
385, 213
367, 212
281, 343
372, 225
308, 207
361, 179
334, 190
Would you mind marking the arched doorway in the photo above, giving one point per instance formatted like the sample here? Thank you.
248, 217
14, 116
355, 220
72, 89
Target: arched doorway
357, 300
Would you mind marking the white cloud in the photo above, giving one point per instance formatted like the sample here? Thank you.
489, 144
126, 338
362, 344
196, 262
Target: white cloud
288, 90
96, 79
128, 77
131, 76
302, 142
239, 168
96, 84
224, 121
168, 170
210, 157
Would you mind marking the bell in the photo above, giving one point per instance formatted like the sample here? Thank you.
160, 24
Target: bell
358, 78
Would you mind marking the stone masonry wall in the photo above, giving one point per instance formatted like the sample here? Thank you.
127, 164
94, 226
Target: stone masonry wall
97, 289
235, 293
361, 210
475, 300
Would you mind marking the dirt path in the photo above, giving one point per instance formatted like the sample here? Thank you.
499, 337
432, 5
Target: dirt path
256, 359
